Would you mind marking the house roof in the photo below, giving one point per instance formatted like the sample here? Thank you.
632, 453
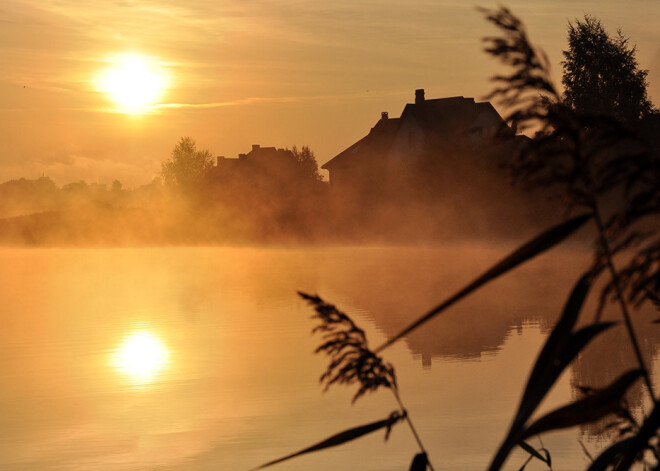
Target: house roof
441, 118
379, 139
264, 158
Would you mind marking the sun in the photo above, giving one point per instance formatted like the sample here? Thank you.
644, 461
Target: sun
133, 82
141, 357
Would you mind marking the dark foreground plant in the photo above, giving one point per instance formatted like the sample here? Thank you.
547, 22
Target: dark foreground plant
602, 166
353, 362
599, 166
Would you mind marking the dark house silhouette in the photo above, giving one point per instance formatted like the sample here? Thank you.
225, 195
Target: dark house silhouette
429, 137
274, 163
267, 194
263, 167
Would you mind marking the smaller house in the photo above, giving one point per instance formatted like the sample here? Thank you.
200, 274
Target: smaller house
260, 163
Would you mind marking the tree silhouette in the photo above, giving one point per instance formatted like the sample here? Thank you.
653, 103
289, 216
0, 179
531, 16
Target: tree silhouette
601, 74
307, 163
187, 167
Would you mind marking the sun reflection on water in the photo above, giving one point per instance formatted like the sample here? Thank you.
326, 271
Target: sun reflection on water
141, 357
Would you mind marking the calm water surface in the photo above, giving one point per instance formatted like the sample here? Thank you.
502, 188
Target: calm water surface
201, 358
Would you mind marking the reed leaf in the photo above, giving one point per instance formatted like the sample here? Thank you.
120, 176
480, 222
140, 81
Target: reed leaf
588, 409
611, 455
534, 247
559, 350
343, 437
534, 452
546, 371
419, 462
641, 441
655, 299
580, 339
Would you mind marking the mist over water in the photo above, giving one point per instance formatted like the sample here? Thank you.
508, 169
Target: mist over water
201, 358
270, 210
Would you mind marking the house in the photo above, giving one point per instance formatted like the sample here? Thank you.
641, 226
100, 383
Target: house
261, 164
428, 138
264, 158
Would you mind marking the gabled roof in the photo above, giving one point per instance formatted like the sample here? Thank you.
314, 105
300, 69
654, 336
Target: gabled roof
441, 118
379, 139
448, 115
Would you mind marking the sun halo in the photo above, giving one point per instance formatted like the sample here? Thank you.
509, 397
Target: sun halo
133, 82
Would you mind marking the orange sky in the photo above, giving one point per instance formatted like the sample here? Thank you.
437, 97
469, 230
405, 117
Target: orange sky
269, 72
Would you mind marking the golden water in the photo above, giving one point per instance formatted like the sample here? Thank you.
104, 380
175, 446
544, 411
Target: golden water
201, 358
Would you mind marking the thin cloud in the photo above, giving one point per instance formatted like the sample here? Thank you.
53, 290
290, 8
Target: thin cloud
288, 99
221, 104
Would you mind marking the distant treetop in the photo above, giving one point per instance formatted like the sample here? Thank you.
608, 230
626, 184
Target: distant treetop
601, 74
187, 167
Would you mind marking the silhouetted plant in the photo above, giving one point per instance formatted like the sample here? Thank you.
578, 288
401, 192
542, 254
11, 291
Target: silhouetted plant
597, 163
352, 361
345, 436
600, 167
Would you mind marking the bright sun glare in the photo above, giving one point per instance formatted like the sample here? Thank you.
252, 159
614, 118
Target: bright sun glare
133, 82
141, 356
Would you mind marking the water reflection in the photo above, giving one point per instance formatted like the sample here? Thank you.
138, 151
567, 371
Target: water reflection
141, 357
218, 345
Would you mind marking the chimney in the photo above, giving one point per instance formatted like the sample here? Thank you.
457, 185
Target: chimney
384, 116
255, 146
419, 96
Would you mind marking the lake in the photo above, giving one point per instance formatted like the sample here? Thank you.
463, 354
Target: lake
202, 358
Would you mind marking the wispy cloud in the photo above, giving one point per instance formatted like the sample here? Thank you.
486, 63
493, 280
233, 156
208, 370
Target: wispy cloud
286, 99
221, 104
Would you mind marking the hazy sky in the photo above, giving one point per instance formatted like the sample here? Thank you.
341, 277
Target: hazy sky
241, 72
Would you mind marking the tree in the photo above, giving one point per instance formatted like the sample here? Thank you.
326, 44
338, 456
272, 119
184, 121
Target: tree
187, 167
601, 74
307, 163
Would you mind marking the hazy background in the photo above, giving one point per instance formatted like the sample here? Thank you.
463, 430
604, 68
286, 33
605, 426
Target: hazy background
261, 72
